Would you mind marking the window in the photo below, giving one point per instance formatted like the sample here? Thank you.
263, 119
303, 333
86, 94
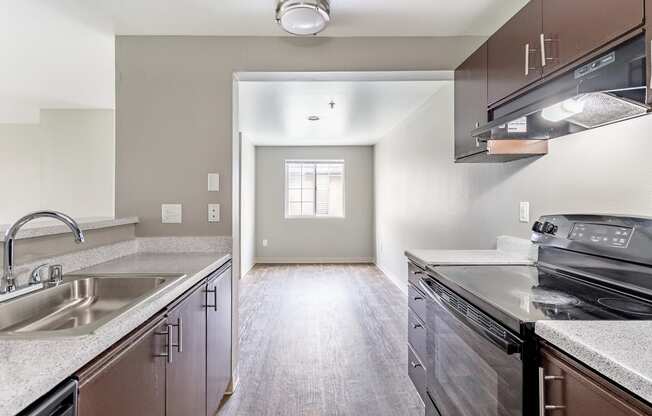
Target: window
314, 188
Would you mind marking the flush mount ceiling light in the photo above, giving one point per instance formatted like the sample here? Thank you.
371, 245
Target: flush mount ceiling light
313, 118
303, 17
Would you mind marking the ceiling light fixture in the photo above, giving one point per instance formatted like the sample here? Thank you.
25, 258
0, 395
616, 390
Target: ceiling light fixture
313, 118
303, 17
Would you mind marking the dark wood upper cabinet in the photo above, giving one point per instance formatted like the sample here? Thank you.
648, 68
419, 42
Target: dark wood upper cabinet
186, 373
470, 102
514, 59
572, 29
129, 379
218, 339
580, 391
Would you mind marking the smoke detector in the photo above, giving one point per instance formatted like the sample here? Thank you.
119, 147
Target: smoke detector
303, 17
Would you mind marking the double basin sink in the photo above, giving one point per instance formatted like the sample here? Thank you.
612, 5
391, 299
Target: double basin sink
79, 305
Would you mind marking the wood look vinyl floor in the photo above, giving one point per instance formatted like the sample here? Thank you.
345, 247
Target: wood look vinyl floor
322, 340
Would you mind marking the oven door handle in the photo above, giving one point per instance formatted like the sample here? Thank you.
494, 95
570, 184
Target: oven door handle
506, 346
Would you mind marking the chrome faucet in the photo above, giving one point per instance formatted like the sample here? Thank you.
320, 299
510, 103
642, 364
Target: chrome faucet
7, 282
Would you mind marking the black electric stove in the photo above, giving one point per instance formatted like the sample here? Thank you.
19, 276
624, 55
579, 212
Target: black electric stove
480, 319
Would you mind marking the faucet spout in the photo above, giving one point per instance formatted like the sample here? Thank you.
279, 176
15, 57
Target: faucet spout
7, 282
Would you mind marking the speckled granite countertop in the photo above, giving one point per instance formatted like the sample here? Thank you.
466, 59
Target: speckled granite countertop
29, 368
509, 251
619, 350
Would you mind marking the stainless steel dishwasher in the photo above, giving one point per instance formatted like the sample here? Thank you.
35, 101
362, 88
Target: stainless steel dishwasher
61, 401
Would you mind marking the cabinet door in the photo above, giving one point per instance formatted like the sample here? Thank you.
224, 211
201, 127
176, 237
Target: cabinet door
572, 29
566, 383
513, 56
218, 345
186, 373
129, 379
470, 102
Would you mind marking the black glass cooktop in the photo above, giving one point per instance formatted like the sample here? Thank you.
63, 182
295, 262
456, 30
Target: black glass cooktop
518, 295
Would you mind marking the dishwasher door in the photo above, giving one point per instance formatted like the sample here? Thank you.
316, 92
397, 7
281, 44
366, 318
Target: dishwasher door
62, 401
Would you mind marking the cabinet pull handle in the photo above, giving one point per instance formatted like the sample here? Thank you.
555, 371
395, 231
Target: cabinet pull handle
543, 40
214, 292
179, 326
417, 272
528, 51
415, 326
414, 365
168, 344
418, 298
543, 407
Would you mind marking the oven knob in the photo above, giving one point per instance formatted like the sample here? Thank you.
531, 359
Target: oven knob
549, 228
537, 227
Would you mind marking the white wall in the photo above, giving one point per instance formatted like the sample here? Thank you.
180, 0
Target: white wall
66, 162
314, 239
424, 200
247, 205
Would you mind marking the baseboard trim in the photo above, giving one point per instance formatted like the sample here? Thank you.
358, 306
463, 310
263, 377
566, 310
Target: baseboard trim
400, 285
313, 260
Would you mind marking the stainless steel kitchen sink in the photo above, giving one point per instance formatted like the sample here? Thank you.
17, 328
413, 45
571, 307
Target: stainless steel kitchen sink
79, 305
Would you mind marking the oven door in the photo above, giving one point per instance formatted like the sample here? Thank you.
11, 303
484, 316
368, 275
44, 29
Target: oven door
474, 364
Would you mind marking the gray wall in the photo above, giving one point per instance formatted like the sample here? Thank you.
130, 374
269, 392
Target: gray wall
424, 200
247, 206
314, 239
174, 109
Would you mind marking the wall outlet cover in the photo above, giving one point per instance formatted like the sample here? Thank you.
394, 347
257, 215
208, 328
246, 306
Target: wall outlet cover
524, 212
264, 243
213, 212
171, 213
213, 182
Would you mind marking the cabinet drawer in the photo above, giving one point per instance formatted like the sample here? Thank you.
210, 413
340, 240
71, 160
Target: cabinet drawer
417, 335
417, 374
415, 273
417, 301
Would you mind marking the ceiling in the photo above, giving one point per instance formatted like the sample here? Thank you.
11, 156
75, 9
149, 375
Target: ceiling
256, 17
275, 113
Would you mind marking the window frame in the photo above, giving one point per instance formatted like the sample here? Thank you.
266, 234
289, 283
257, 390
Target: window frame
286, 195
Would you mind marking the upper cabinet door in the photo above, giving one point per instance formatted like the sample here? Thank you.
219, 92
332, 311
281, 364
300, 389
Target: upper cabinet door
470, 102
514, 59
648, 42
572, 29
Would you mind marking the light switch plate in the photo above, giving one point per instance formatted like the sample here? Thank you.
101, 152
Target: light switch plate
171, 213
524, 212
213, 212
264, 243
213, 182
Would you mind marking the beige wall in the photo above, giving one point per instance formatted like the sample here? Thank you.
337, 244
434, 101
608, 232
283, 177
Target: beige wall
174, 109
424, 200
66, 163
314, 239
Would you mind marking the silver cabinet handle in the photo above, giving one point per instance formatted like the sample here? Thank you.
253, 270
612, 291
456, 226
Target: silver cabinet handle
414, 365
543, 407
168, 344
179, 326
528, 51
214, 292
543, 49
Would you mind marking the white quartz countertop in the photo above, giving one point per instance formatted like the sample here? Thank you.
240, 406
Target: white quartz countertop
619, 350
29, 368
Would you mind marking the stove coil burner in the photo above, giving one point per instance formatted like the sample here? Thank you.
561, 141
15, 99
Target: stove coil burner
630, 306
553, 298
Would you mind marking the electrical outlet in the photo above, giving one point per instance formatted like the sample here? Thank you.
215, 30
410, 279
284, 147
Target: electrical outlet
213, 182
213, 212
264, 243
171, 213
524, 212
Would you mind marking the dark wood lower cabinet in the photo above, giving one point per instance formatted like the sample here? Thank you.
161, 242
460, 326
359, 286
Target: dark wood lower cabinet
129, 379
568, 388
186, 371
218, 339
176, 364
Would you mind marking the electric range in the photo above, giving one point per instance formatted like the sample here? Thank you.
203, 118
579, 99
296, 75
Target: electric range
480, 320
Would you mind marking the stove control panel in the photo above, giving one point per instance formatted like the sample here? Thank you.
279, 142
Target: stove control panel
601, 234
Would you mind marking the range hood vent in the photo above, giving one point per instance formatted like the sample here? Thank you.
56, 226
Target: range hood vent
606, 90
